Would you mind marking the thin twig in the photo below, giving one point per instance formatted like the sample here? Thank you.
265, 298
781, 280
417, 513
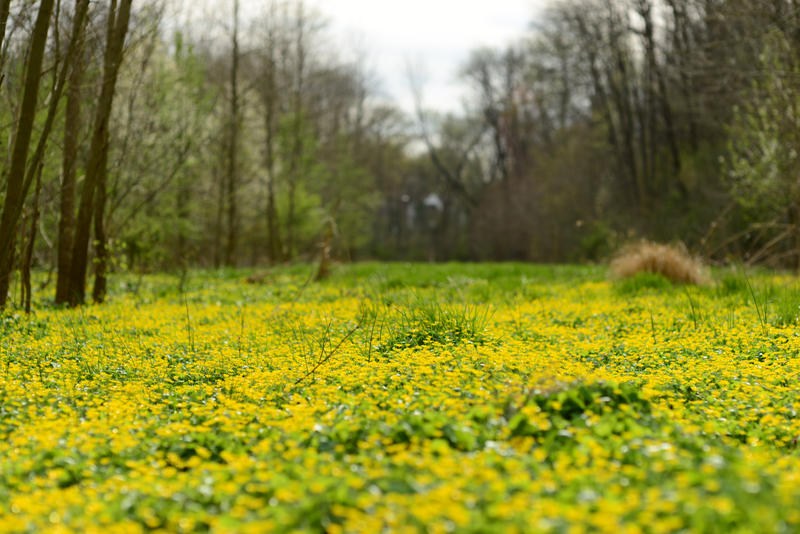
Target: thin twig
691, 304
325, 357
241, 331
188, 322
761, 312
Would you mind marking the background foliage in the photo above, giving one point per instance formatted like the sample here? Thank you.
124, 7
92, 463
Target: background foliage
243, 141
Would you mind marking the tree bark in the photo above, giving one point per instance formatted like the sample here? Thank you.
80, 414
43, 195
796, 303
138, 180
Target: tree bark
270, 96
5, 9
15, 186
218, 252
96, 166
681, 27
274, 238
672, 137
605, 101
620, 87
297, 147
66, 223
182, 198
27, 258
233, 168
100, 239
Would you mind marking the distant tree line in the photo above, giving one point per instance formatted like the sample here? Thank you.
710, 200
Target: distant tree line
617, 119
137, 138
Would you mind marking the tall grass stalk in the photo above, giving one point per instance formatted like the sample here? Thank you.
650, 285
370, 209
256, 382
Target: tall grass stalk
761, 311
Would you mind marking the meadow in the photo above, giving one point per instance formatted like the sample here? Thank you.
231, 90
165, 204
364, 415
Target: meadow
406, 398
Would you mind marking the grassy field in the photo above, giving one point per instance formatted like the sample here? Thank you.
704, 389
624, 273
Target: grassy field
406, 398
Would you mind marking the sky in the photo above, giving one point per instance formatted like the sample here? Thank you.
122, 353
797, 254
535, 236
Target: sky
432, 37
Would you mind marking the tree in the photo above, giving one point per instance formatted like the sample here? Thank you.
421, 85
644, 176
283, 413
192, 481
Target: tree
5, 9
118, 18
159, 139
17, 184
232, 170
270, 100
68, 190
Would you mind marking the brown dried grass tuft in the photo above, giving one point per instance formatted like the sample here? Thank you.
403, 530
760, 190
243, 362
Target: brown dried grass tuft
673, 262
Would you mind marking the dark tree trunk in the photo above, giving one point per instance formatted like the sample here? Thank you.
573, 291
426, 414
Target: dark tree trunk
270, 97
669, 123
290, 221
100, 245
297, 146
647, 110
681, 28
27, 257
233, 146
602, 97
5, 9
182, 199
274, 238
621, 98
66, 223
15, 185
622, 92
218, 226
96, 168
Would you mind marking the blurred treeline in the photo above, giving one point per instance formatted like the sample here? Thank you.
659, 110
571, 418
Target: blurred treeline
135, 136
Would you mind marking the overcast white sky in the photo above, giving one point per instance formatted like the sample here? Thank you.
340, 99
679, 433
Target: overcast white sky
434, 36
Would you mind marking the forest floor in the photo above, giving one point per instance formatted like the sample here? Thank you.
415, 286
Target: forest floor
406, 398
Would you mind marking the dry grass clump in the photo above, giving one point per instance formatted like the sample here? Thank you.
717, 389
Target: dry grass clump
672, 262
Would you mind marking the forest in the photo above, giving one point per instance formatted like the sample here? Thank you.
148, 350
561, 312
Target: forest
136, 138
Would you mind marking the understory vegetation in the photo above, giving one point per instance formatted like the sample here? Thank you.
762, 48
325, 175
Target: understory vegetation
406, 398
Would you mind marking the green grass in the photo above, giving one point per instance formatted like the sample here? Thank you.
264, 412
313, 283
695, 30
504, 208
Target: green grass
642, 282
427, 321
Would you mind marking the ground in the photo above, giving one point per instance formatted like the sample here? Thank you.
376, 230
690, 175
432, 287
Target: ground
405, 398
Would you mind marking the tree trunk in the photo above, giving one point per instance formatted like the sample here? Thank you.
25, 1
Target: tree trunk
100, 245
270, 96
274, 238
220, 211
96, 166
27, 258
66, 223
15, 190
290, 222
273, 230
182, 198
647, 108
297, 148
672, 137
681, 25
5, 9
621, 94
233, 169
615, 127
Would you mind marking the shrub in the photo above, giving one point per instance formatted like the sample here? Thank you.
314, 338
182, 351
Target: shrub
671, 262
